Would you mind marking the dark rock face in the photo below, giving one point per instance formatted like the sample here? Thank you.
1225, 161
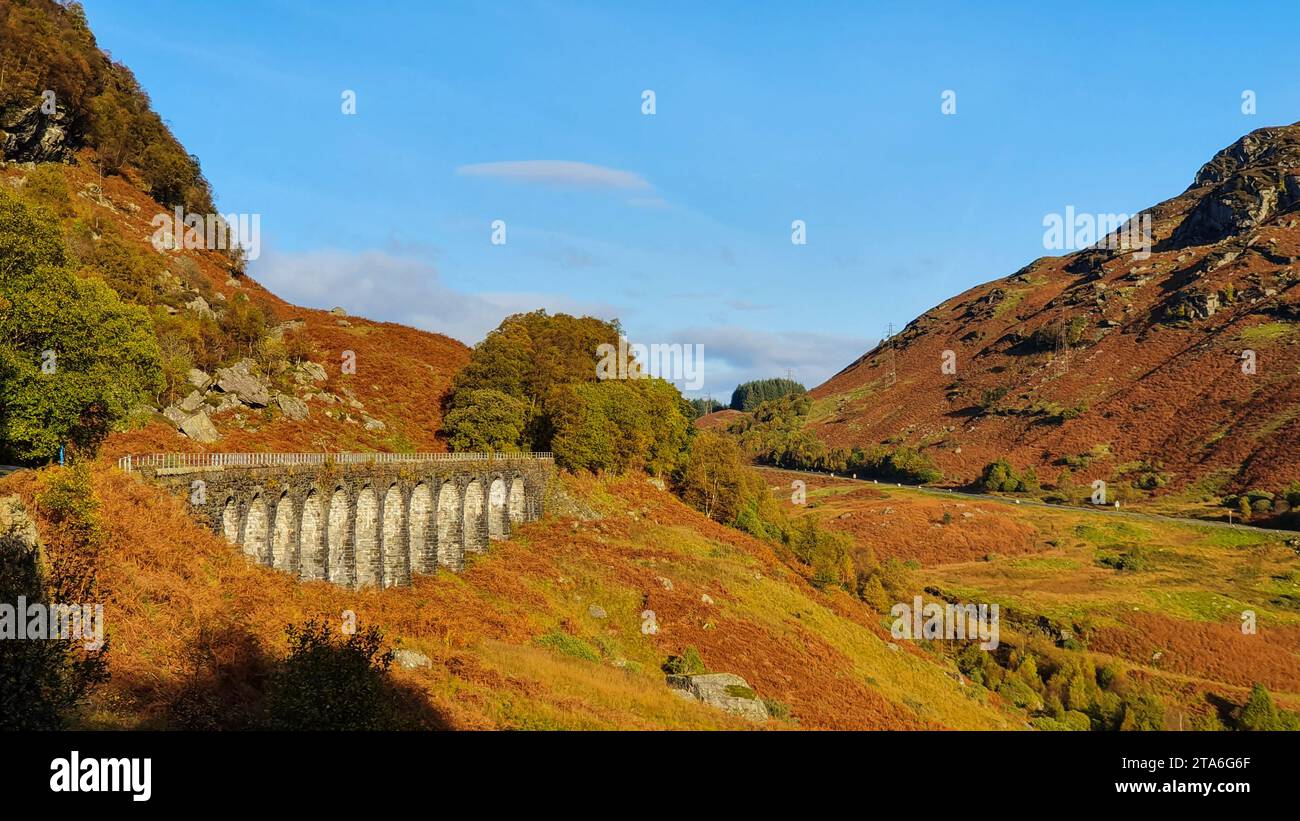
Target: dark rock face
1249, 182
30, 135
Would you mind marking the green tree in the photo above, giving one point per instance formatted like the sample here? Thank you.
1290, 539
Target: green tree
825, 551
599, 426
669, 417
74, 359
1259, 713
487, 420
713, 479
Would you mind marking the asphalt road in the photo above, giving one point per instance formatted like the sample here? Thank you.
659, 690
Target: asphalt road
1151, 517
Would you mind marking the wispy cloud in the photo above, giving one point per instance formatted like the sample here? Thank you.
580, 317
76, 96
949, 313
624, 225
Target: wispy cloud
561, 173
734, 354
396, 288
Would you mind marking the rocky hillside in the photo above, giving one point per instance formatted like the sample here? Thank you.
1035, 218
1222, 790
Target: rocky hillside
1173, 373
241, 369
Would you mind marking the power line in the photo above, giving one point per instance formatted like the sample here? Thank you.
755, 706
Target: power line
889, 356
1062, 353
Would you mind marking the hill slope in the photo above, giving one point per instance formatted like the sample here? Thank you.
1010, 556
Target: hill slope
514, 640
1105, 353
80, 141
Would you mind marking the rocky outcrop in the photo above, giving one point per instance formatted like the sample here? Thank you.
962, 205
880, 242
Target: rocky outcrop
200, 306
1250, 182
305, 373
725, 691
292, 407
240, 380
199, 379
238, 386
200, 428
192, 403
411, 659
30, 135
17, 530
20, 573
1192, 305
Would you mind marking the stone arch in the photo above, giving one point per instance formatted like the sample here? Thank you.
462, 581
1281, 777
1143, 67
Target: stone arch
472, 520
230, 520
365, 539
497, 526
393, 551
517, 504
450, 550
311, 559
418, 531
282, 543
337, 538
255, 529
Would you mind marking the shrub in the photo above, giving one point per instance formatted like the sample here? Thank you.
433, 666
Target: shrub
898, 464
825, 552
1292, 493
332, 684
568, 645
1259, 713
1070, 332
990, 397
1000, 476
689, 663
47, 187
778, 710
1132, 560
1019, 693
297, 346
225, 675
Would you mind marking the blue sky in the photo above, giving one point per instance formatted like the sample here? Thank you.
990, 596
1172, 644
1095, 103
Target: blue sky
765, 113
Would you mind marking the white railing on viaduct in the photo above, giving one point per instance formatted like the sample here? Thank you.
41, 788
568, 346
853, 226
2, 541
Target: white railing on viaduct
247, 460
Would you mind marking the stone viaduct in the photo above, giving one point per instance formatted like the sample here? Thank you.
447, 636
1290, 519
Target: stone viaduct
357, 519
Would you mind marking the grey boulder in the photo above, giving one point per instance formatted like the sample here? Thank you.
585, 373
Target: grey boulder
200, 428
724, 691
239, 380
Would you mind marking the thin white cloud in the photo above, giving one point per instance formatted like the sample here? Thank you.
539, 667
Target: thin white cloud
562, 173
733, 355
394, 288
